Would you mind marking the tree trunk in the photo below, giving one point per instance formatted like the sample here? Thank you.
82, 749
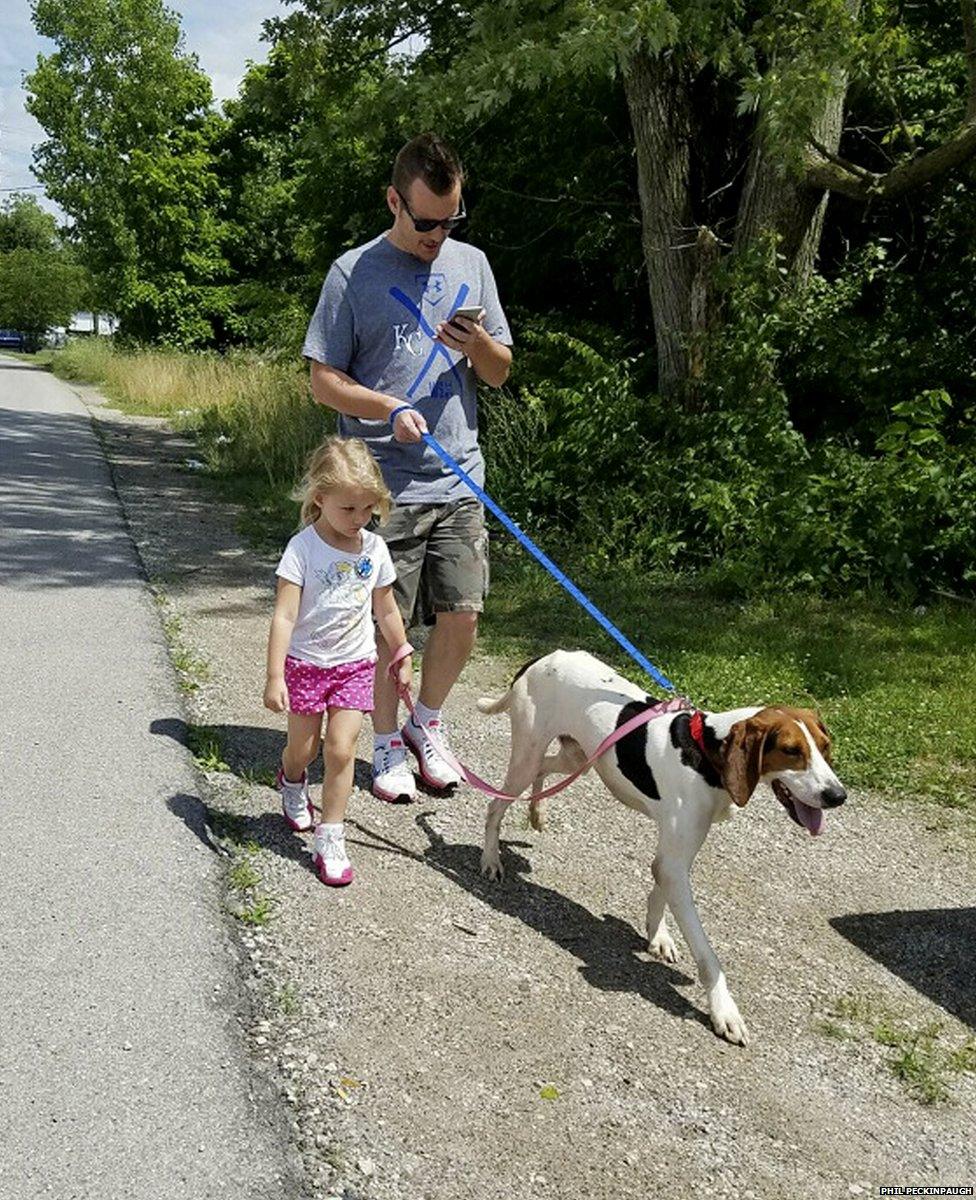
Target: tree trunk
777, 200
659, 100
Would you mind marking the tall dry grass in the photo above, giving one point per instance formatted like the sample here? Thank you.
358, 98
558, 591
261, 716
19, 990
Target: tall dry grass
251, 417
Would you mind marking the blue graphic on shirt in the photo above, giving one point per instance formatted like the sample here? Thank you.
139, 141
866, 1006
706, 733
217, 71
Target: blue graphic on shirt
438, 348
434, 289
364, 567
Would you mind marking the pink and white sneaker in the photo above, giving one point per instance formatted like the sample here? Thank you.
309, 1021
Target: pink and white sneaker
393, 780
334, 867
434, 771
296, 804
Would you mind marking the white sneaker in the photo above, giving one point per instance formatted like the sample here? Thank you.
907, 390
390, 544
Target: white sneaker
393, 780
296, 805
330, 856
434, 771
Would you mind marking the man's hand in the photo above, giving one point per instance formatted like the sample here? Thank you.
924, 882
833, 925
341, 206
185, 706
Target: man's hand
409, 425
276, 694
464, 339
404, 670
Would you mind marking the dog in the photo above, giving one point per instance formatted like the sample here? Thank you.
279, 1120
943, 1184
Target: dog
686, 771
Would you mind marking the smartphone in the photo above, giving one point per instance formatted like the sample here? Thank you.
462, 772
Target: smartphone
473, 312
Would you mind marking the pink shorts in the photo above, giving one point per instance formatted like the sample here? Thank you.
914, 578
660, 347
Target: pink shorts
313, 689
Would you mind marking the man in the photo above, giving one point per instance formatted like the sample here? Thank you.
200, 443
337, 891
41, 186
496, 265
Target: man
380, 340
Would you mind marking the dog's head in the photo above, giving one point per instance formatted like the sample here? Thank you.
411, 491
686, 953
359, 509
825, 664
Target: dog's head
791, 748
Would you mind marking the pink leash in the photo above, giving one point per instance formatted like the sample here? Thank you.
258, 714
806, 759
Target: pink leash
678, 704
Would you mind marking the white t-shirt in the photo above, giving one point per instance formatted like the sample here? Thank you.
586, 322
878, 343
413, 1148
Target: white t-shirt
335, 622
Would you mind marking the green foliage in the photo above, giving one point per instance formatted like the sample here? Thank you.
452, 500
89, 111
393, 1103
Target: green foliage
128, 158
24, 225
38, 289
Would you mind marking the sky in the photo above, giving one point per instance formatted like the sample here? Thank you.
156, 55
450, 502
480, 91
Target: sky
223, 36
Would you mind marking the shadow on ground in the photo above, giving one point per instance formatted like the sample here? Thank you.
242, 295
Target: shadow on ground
931, 949
611, 951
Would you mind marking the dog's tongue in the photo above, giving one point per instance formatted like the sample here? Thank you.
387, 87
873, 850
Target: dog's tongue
810, 818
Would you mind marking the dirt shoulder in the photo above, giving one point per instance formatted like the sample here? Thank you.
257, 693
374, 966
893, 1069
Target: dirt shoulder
441, 1037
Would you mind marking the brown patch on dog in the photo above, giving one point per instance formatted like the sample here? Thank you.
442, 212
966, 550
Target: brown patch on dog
745, 758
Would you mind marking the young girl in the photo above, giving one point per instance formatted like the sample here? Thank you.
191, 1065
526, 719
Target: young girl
334, 577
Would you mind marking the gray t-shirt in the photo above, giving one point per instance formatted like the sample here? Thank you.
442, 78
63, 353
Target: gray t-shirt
375, 321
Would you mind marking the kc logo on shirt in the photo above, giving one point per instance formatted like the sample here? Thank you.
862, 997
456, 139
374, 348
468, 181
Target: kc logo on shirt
412, 342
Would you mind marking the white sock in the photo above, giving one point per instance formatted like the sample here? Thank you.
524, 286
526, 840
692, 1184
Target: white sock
323, 829
381, 741
424, 715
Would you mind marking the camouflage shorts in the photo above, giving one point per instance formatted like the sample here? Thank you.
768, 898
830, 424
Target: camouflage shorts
440, 552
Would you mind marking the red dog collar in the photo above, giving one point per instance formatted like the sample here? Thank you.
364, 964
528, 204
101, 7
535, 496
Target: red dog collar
697, 732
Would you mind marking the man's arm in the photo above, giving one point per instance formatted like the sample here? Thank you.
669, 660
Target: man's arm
337, 390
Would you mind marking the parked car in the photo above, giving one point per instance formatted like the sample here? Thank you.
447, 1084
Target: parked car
10, 339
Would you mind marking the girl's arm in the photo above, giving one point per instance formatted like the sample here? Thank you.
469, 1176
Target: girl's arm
391, 626
282, 623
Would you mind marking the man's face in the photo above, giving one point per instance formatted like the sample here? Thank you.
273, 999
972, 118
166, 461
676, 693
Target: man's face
421, 202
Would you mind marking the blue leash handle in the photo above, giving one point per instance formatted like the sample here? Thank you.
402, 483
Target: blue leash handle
546, 561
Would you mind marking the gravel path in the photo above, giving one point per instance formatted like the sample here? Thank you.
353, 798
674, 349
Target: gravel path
439, 1037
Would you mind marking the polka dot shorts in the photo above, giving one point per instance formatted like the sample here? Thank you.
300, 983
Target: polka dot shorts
313, 689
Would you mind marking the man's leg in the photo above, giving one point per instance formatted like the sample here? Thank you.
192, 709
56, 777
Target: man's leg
455, 579
448, 648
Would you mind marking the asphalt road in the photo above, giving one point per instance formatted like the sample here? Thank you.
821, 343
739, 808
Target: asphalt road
121, 1072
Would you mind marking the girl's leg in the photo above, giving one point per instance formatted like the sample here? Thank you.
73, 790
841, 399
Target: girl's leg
339, 752
304, 732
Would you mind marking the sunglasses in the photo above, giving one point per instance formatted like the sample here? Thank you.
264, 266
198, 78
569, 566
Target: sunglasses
427, 224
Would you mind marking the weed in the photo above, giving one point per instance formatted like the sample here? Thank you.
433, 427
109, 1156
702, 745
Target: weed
288, 1000
257, 913
919, 1058
242, 875
205, 746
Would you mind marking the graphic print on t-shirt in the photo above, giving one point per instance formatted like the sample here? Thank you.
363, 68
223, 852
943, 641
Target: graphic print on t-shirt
433, 287
438, 349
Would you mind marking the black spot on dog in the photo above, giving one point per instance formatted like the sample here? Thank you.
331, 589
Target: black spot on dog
691, 756
523, 668
632, 750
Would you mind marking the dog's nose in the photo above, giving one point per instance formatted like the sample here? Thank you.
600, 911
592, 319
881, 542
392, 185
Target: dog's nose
830, 797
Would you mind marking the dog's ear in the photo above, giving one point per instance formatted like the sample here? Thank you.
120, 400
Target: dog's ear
742, 753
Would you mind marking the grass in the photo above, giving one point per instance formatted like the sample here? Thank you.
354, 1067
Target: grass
894, 683
919, 1057
205, 746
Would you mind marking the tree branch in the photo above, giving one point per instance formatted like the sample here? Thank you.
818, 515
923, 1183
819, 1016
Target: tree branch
832, 176
831, 173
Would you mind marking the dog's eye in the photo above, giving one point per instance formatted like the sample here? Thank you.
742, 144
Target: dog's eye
792, 751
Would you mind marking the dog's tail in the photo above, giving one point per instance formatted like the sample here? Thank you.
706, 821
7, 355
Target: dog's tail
487, 705
502, 704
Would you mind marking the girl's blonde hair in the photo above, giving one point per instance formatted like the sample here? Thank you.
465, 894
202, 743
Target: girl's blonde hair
340, 463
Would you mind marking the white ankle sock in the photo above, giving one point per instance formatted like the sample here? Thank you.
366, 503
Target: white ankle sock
424, 715
381, 741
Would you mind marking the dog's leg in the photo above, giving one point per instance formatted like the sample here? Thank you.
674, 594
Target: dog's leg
491, 862
568, 758
660, 943
672, 869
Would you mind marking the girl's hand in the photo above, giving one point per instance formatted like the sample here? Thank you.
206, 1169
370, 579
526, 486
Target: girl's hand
405, 672
276, 694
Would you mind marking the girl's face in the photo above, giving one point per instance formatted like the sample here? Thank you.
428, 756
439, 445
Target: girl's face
347, 510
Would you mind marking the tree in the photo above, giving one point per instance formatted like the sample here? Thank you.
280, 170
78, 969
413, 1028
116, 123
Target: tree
128, 158
736, 113
24, 225
38, 289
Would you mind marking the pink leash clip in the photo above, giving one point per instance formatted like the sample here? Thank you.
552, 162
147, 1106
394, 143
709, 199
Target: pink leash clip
677, 704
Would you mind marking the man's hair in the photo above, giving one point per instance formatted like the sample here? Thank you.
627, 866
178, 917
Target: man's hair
428, 157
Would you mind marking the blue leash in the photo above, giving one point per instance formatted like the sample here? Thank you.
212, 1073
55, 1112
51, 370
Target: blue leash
563, 580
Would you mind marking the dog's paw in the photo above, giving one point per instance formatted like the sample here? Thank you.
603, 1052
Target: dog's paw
491, 866
662, 946
728, 1023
